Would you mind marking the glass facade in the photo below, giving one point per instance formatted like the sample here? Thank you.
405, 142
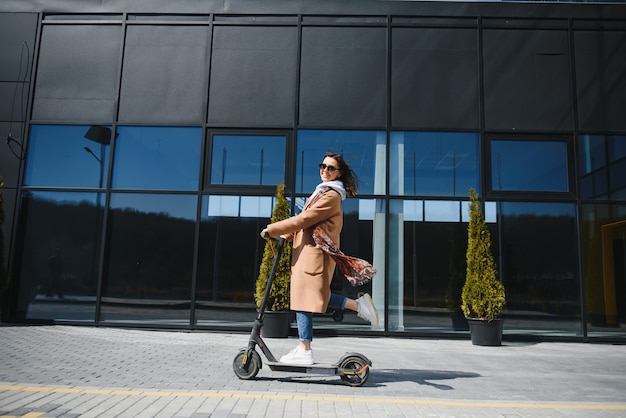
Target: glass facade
535, 166
142, 195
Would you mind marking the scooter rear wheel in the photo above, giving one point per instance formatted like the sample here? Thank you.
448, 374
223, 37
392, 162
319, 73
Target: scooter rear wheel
361, 371
250, 369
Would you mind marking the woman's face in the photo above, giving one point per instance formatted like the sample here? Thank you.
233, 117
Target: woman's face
328, 174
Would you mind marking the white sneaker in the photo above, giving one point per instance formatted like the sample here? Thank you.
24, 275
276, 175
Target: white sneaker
367, 310
298, 356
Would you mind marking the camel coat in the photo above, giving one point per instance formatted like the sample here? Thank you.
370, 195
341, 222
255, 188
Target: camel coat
311, 268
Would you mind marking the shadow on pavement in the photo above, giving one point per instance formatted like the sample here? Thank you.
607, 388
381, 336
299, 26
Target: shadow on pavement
382, 377
422, 377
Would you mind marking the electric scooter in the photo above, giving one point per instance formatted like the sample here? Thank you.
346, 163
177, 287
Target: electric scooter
352, 368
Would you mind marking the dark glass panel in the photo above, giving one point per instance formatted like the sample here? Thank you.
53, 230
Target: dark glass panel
363, 220
149, 264
543, 290
617, 169
602, 166
617, 147
77, 76
427, 264
434, 268
594, 185
10, 157
539, 166
163, 158
434, 163
430, 67
591, 153
165, 74
253, 76
67, 156
343, 76
617, 174
362, 237
363, 150
13, 104
17, 40
230, 255
539, 266
527, 81
604, 262
229, 262
59, 257
248, 159
600, 79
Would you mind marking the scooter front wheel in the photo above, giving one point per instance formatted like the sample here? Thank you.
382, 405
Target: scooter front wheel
246, 367
355, 370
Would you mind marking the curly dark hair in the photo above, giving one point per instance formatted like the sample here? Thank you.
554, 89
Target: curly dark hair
348, 177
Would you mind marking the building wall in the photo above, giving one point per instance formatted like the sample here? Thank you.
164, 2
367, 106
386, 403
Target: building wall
153, 139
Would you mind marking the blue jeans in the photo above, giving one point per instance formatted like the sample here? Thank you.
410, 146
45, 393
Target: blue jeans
305, 319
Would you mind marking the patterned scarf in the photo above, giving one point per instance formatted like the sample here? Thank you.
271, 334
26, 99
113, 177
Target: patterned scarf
357, 271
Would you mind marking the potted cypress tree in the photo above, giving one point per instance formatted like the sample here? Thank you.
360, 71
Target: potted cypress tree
483, 295
277, 321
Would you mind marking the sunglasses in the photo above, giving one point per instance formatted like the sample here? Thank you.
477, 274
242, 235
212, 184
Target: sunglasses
330, 168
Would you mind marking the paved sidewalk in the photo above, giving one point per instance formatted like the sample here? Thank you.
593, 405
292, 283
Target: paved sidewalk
49, 371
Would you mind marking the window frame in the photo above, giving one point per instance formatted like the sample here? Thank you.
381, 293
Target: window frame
492, 193
237, 189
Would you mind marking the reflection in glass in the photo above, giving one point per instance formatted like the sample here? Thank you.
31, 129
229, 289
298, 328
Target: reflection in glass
58, 277
67, 156
602, 166
230, 252
248, 159
539, 166
362, 236
539, 265
604, 261
150, 251
441, 211
164, 158
542, 284
433, 163
363, 150
430, 268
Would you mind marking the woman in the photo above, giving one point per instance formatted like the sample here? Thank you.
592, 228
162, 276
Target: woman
312, 269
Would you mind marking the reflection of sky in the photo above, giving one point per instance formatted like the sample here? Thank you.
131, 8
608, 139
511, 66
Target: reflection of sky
537, 209
238, 159
166, 158
529, 165
57, 157
358, 148
433, 163
238, 206
443, 211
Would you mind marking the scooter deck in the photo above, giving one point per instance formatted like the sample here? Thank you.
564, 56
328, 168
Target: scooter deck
320, 368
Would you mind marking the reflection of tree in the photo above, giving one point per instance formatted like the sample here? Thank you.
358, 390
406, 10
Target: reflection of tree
594, 286
67, 225
435, 249
150, 255
239, 259
539, 263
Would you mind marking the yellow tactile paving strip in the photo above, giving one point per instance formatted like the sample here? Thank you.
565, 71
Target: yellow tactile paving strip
298, 397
